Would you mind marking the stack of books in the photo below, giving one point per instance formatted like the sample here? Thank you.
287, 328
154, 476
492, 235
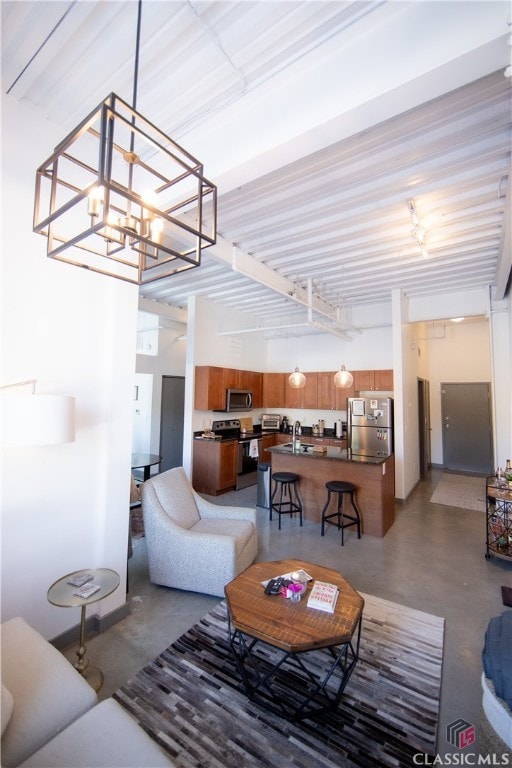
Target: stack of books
323, 596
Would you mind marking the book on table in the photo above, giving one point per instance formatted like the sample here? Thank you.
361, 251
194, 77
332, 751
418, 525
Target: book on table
323, 596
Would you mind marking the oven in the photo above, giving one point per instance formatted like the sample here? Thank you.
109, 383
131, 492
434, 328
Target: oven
249, 451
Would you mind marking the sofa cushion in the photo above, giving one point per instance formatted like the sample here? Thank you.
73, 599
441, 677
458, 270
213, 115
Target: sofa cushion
176, 497
6, 706
241, 531
105, 737
48, 692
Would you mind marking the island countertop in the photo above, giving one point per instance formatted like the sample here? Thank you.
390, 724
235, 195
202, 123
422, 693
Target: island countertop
373, 477
330, 452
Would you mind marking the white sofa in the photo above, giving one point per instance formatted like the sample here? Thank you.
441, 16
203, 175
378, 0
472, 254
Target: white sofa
51, 717
193, 544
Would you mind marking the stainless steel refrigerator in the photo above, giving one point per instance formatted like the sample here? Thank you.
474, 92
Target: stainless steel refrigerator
370, 426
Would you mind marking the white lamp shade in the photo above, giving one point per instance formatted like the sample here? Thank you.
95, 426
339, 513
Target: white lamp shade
37, 419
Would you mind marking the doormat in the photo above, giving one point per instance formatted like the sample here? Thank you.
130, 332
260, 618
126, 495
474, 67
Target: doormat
506, 596
190, 699
464, 491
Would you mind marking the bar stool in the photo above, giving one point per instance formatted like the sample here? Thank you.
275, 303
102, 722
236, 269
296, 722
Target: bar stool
286, 482
341, 488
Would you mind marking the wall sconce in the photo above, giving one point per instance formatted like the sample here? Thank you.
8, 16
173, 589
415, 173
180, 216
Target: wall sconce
297, 380
33, 419
343, 378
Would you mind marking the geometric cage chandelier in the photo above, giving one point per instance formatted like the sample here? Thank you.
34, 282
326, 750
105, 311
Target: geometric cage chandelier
120, 197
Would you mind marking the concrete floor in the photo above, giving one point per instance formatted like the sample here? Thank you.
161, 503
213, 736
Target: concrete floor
432, 559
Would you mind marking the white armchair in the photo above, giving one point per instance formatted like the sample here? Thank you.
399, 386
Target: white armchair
193, 544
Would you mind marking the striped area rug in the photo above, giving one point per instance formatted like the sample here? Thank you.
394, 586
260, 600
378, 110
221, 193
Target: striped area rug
189, 699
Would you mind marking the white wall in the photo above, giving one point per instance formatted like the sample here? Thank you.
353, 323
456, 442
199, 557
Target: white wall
142, 412
169, 362
501, 355
456, 353
63, 507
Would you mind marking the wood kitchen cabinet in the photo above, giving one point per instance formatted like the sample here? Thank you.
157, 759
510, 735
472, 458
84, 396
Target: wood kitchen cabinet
384, 380
267, 441
210, 388
273, 390
329, 396
302, 398
212, 381
214, 466
326, 441
252, 381
326, 391
379, 380
342, 393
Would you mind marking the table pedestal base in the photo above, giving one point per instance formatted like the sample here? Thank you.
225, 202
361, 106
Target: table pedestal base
294, 685
94, 677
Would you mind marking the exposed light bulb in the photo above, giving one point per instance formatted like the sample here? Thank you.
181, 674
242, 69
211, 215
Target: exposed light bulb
156, 227
94, 199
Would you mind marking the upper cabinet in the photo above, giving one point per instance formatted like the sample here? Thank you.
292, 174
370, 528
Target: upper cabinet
326, 391
212, 382
381, 380
307, 397
210, 388
252, 381
331, 397
273, 390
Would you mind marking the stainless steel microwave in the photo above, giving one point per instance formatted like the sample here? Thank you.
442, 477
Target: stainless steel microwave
238, 400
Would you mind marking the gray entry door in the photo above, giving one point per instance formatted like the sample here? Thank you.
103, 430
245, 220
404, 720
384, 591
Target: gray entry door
467, 431
171, 422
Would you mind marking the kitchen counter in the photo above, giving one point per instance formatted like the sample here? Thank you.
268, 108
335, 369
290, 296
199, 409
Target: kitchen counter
334, 454
374, 479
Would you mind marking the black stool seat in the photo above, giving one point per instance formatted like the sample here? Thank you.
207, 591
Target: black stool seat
286, 483
342, 520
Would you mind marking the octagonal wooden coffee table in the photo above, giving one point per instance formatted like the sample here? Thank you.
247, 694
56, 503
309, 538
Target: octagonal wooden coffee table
293, 659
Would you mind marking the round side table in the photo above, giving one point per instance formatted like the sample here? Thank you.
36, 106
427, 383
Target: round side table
61, 593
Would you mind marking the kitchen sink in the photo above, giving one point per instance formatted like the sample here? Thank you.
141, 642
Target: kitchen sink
304, 447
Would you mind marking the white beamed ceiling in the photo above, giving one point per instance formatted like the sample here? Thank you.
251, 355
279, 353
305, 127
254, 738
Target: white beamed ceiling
318, 121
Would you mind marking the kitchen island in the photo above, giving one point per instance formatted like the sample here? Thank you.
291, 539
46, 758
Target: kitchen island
373, 477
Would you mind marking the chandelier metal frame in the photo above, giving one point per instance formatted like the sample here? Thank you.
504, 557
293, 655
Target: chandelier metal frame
118, 196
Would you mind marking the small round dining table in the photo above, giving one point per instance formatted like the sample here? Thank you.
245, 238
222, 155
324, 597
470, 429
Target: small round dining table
145, 461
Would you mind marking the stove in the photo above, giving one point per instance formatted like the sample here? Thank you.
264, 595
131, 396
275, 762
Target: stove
228, 428
249, 449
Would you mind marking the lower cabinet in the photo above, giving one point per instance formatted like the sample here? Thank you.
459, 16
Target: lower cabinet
214, 466
267, 441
